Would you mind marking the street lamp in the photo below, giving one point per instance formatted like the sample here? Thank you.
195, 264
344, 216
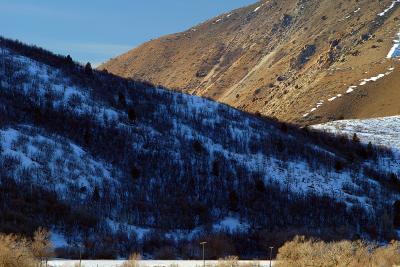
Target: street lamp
204, 259
270, 256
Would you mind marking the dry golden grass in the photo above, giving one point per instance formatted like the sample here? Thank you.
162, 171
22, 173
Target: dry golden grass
16, 252
310, 252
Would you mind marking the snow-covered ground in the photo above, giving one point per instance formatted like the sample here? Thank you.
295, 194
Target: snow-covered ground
64, 93
297, 176
395, 50
228, 224
149, 263
379, 131
231, 224
58, 163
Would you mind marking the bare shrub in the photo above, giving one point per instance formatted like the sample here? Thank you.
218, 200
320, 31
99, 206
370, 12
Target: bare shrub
133, 260
303, 252
229, 261
387, 256
16, 252
41, 247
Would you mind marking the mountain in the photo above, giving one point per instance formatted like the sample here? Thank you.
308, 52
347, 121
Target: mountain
114, 165
300, 61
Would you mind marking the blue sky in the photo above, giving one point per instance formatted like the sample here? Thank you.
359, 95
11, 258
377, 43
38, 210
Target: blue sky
97, 30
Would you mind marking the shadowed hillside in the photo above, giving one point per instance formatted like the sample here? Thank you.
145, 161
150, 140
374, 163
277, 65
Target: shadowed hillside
113, 165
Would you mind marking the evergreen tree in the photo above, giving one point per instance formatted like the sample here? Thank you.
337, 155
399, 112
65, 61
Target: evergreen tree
233, 200
132, 114
215, 168
198, 147
96, 194
87, 137
88, 69
121, 100
356, 139
135, 173
338, 166
69, 60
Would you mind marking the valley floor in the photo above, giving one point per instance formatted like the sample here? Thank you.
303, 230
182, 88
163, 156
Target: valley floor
149, 263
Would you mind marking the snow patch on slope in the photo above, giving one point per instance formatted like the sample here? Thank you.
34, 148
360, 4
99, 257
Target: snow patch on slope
257, 8
62, 91
127, 228
380, 131
395, 50
351, 89
231, 224
59, 164
392, 5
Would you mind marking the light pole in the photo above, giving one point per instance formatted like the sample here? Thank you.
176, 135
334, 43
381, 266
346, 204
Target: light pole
270, 256
204, 259
80, 256
80, 252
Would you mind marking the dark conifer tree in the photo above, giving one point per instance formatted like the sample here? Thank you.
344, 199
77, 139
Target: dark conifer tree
69, 60
135, 173
233, 200
132, 114
121, 100
356, 139
96, 194
88, 69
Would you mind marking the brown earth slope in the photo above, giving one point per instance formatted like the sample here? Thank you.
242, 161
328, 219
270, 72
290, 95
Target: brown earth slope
282, 58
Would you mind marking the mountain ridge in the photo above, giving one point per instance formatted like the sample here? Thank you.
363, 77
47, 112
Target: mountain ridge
278, 58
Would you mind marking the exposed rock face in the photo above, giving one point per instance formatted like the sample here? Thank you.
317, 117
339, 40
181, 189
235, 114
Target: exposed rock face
287, 20
320, 47
305, 55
